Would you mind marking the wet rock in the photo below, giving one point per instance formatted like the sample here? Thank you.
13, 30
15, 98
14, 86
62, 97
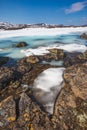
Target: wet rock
32, 59
6, 75
83, 36
7, 111
70, 110
47, 57
21, 44
14, 84
29, 76
73, 58
54, 54
3, 60
23, 68
57, 52
83, 56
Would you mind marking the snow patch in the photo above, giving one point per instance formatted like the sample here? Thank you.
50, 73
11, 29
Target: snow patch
47, 86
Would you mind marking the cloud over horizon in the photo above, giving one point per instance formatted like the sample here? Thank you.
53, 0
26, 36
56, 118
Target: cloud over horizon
75, 7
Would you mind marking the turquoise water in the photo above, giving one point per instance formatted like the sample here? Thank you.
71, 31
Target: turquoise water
8, 49
55, 63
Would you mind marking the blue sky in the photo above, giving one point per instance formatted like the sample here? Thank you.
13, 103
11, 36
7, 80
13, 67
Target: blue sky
44, 11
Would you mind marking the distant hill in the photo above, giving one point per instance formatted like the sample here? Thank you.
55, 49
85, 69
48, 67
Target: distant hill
9, 26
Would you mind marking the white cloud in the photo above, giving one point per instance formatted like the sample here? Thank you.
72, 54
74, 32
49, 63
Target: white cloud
76, 7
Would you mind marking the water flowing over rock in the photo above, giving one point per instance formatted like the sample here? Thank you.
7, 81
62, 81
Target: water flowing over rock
21, 44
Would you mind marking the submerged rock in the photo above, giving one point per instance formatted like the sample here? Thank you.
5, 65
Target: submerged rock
21, 44
3, 60
71, 105
84, 36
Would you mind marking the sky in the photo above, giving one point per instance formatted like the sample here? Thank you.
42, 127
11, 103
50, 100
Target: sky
67, 12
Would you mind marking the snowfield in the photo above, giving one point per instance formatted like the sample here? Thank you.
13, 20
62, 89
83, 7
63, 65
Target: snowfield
41, 31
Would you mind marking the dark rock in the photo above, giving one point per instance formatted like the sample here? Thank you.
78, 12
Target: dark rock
74, 58
83, 36
70, 110
21, 44
3, 60
7, 111
6, 75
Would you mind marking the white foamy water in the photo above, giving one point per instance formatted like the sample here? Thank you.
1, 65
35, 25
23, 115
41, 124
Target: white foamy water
44, 50
47, 86
41, 31
1, 49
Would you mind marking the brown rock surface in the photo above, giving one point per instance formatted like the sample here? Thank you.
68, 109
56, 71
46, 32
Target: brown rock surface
7, 111
71, 105
83, 56
57, 52
29, 116
32, 59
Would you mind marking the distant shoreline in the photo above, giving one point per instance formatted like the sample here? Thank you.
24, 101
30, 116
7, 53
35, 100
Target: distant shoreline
9, 26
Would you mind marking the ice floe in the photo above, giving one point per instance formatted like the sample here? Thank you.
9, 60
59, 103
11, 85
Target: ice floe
65, 47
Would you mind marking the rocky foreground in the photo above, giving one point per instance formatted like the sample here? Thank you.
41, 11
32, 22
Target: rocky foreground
19, 109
